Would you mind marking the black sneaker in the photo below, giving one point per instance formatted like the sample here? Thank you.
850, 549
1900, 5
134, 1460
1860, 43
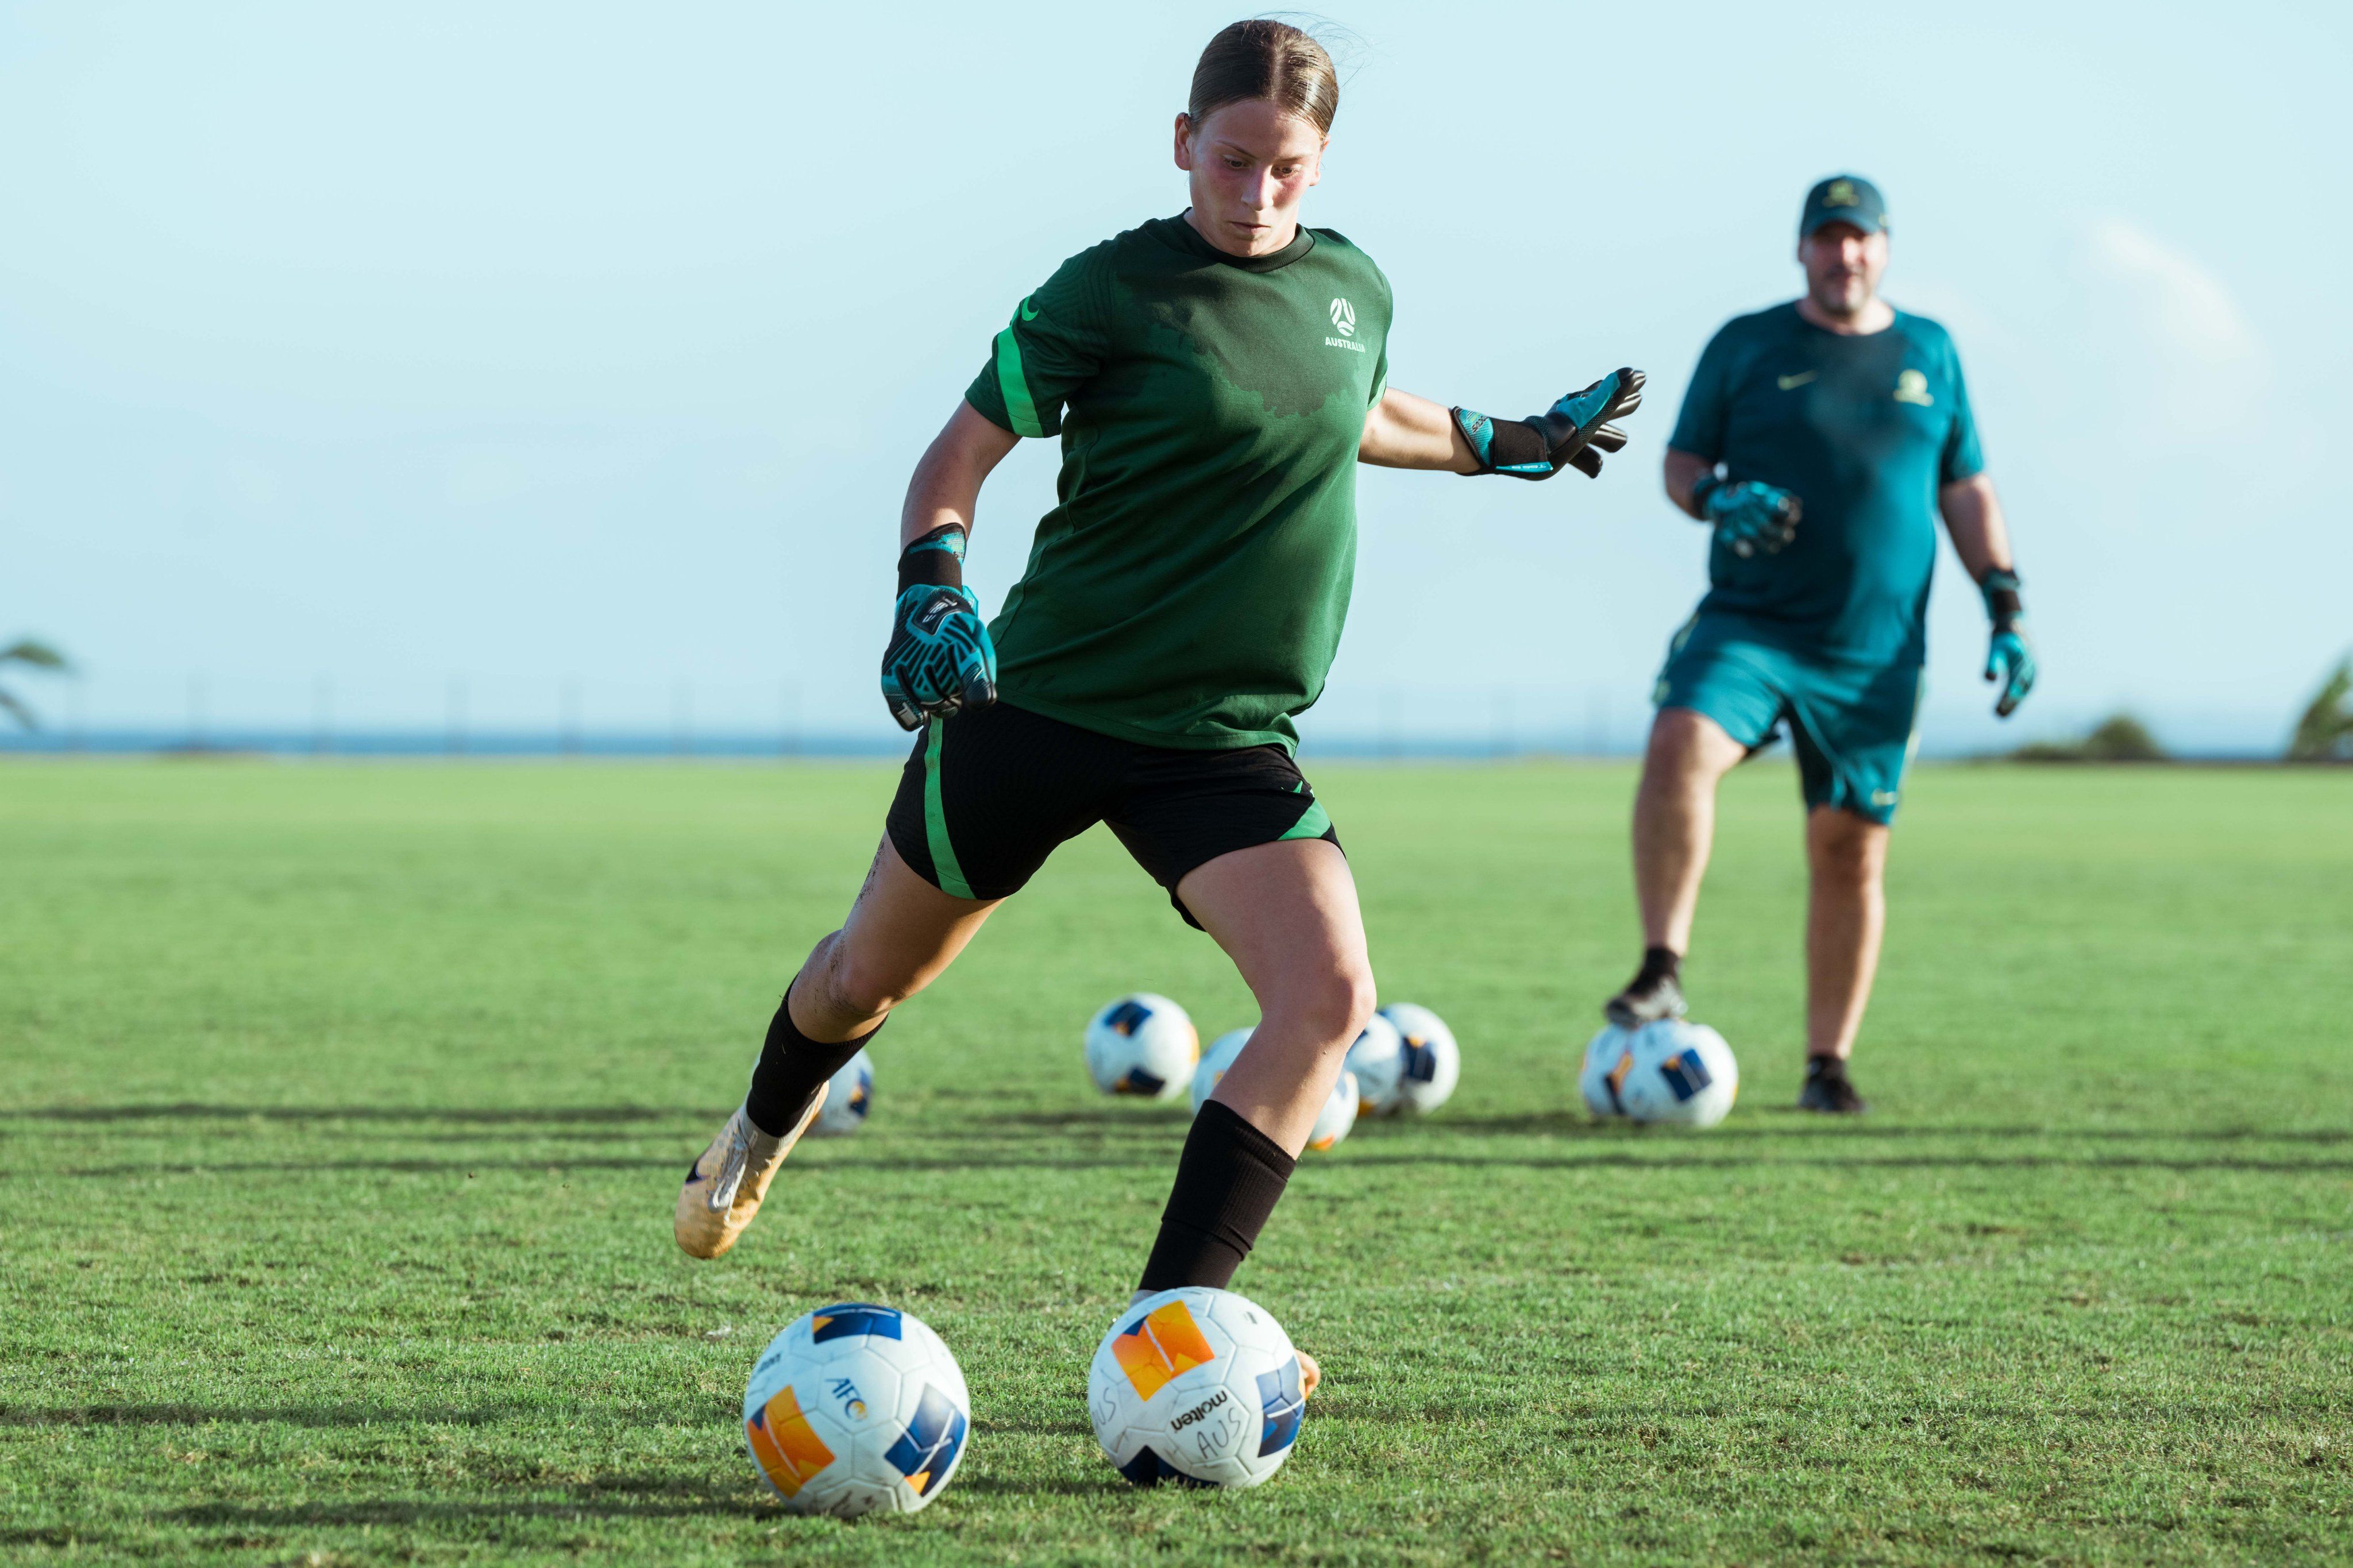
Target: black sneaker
1648, 997
1827, 1089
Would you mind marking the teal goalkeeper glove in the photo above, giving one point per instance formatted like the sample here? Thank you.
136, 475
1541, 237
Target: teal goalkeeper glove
1572, 433
2009, 659
940, 661
1749, 515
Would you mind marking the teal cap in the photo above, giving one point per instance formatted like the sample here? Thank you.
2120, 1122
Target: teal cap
1844, 198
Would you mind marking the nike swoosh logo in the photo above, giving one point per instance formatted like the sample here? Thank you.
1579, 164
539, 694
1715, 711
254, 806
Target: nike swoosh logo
1027, 313
1791, 383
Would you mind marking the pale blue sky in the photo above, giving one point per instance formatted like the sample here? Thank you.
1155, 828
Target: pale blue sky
519, 343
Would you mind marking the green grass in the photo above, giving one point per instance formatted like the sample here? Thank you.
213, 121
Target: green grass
342, 1109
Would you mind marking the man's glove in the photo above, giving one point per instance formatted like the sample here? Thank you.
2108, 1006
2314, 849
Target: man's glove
1572, 433
2009, 659
940, 661
1749, 515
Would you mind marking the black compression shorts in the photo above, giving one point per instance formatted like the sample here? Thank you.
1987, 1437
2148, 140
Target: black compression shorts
986, 796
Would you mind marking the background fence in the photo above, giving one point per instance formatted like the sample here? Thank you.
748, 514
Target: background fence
632, 716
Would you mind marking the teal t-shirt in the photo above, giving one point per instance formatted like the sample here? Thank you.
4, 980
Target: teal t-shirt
1190, 587
1866, 430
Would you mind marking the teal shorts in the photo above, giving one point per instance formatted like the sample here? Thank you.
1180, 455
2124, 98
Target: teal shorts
1852, 722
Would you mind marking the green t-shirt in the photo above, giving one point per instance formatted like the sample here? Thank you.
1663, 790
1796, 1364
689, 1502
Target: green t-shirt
1867, 430
1189, 588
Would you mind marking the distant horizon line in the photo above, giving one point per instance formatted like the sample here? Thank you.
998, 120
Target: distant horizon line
657, 743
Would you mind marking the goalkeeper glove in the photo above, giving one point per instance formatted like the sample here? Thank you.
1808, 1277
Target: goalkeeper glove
1572, 433
940, 661
1749, 515
2009, 659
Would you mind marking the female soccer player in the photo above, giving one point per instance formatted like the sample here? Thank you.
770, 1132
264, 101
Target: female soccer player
1215, 378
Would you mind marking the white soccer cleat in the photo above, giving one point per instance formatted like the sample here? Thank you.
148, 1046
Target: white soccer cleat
727, 1181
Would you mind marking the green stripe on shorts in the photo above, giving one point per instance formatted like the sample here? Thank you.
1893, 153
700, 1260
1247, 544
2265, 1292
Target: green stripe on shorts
935, 823
1313, 823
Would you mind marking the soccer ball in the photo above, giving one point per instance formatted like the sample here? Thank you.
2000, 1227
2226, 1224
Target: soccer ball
1377, 1059
1433, 1063
1683, 1072
1214, 1063
848, 1098
1332, 1122
856, 1408
1338, 1115
1609, 1058
1196, 1386
1671, 1071
1141, 1045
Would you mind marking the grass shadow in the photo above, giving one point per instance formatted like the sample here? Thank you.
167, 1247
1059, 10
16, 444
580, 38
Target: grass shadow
1035, 1428
488, 1116
850, 1162
65, 1535
1665, 1155
1010, 1486
1140, 1117
385, 1166
364, 1512
1789, 1122
312, 1416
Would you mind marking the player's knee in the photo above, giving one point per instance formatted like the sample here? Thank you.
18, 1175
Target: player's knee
1333, 1001
1847, 847
1684, 750
1363, 997
861, 983
1669, 751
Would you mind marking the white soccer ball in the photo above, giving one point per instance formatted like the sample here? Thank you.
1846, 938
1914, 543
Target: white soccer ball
1332, 1122
1196, 1386
848, 1096
1609, 1058
1141, 1045
1338, 1115
1681, 1072
1433, 1063
1377, 1059
1214, 1063
855, 1409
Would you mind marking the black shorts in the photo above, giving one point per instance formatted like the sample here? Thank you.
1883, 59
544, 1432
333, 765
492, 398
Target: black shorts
986, 796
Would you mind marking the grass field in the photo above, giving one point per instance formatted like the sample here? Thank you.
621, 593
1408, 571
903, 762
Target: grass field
342, 1109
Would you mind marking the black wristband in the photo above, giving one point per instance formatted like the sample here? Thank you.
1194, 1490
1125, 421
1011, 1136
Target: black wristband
935, 560
2002, 601
1513, 446
1706, 484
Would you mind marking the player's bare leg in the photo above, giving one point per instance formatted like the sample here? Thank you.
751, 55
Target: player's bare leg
1286, 914
901, 934
1846, 915
1674, 827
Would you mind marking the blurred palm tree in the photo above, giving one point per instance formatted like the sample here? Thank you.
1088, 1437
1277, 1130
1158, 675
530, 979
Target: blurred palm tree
2324, 733
2119, 738
37, 656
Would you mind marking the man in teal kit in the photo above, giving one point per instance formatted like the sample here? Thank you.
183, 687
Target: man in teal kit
1821, 440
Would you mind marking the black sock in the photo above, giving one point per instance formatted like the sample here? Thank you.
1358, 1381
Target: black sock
1657, 962
1825, 1066
1227, 1183
792, 1069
